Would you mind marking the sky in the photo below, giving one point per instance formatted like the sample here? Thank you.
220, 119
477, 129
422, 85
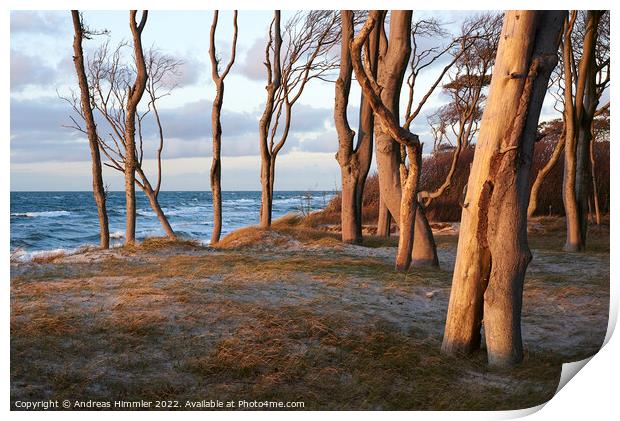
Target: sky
45, 155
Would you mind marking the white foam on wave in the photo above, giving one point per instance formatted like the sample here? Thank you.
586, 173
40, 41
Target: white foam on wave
47, 214
21, 255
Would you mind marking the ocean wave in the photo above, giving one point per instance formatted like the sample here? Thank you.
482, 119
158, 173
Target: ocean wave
45, 214
117, 234
21, 255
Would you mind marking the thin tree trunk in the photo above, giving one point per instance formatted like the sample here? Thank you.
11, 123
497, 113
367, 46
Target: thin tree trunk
133, 99
216, 126
492, 253
597, 209
91, 131
153, 196
163, 220
408, 211
275, 79
542, 173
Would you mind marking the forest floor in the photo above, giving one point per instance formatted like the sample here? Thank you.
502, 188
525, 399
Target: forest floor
291, 315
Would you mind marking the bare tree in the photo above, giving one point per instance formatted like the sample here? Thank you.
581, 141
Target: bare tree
579, 109
388, 120
91, 128
587, 82
492, 254
455, 124
216, 126
471, 53
110, 79
308, 39
355, 160
134, 95
558, 84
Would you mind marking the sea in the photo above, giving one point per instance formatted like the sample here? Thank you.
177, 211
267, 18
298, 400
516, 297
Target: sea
44, 222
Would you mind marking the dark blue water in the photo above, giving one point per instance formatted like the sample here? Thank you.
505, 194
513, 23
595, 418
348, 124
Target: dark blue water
68, 220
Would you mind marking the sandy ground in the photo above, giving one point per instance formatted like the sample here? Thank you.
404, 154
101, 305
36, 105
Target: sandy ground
279, 319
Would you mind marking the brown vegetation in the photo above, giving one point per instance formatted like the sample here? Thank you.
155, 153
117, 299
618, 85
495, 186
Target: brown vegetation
312, 320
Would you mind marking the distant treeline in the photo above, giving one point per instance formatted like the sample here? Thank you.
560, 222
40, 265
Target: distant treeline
447, 208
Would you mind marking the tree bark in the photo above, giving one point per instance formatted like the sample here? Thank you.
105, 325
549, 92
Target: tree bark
216, 126
408, 209
389, 123
384, 220
424, 253
91, 130
391, 71
579, 112
492, 253
354, 161
392, 67
134, 96
275, 79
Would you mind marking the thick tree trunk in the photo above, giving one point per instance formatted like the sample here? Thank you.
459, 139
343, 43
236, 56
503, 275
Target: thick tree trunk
424, 253
384, 220
354, 161
91, 131
350, 227
579, 112
392, 67
134, 96
492, 253
351, 230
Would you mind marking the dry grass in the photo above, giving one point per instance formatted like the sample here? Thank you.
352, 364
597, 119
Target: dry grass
300, 319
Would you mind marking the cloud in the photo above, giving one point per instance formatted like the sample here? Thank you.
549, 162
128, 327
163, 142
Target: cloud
38, 135
29, 70
38, 22
253, 66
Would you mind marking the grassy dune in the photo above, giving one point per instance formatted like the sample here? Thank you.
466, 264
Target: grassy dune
289, 314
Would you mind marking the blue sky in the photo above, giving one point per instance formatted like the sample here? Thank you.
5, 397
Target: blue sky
47, 156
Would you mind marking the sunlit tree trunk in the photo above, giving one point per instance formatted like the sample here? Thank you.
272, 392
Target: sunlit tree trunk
384, 220
392, 67
408, 143
424, 251
542, 173
91, 131
493, 253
